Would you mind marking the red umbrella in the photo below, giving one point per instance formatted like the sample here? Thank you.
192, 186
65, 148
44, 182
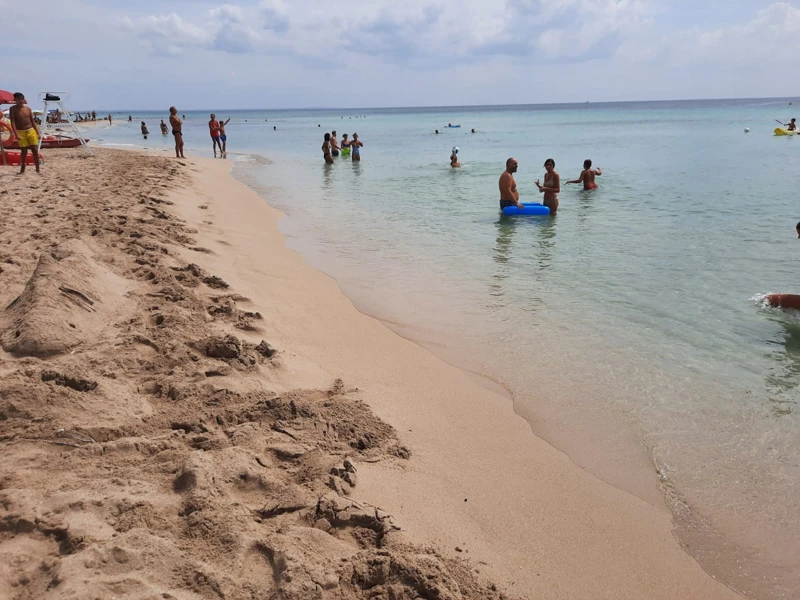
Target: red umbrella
7, 97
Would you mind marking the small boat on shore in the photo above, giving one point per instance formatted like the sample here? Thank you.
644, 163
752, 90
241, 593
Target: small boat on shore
50, 141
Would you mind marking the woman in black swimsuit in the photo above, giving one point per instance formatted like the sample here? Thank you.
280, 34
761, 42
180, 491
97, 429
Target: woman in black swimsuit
326, 149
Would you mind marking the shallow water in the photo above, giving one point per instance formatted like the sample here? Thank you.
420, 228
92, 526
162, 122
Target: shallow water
626, 325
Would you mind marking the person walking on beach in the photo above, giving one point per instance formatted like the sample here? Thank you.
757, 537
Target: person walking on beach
551, 187
587, 176
25, 130
509, 196
223, 137
164, 129
213, 128
355, 146
334, 144
326, 149
177, 126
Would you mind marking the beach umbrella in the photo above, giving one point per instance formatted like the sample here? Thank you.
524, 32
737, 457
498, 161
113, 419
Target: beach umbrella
7, 97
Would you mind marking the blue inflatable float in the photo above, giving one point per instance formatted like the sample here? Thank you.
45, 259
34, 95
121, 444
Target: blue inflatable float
528, 208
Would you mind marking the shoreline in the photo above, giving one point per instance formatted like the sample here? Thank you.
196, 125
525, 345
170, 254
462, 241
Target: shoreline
533, 521
382, 489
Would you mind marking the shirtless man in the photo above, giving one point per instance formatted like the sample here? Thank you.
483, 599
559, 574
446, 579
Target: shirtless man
334, 144
223, 137
25, 130
145, 133
164, 129
551, 187
587, 176
177, 125
509, 196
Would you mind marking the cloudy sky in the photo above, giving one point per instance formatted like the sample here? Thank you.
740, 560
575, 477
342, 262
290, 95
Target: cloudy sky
149, 54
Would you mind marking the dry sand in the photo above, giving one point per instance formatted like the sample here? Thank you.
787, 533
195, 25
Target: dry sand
187, 410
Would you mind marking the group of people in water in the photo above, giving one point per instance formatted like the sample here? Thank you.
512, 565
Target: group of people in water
509, 195
331, 148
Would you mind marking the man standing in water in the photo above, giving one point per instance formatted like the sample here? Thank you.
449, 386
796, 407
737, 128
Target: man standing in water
177, 125
509, 196
164, 130
551, 187
25, 130
587, 176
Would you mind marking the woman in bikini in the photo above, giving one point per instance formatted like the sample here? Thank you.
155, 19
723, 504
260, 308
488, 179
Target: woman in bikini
551, 187
326, 149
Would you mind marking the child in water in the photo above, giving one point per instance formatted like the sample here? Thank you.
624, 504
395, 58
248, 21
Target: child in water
454, 159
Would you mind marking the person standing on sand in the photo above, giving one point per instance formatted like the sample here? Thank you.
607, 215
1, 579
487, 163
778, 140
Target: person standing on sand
177, 126
164, 129
25, 130
587, 176
356, 146
223, 137
509, 196
213, 128
326, 149
551, 187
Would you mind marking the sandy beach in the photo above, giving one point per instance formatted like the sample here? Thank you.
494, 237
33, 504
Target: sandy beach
188, 410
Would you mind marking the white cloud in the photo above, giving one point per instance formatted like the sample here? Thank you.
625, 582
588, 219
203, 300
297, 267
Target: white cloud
168, 34
772, 36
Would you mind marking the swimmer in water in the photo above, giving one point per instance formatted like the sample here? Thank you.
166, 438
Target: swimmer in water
326, 149
454, 159
355, 147
551, 187
509, 196
587, 176
798, 230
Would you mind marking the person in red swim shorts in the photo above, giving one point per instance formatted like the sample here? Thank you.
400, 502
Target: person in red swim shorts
587, 176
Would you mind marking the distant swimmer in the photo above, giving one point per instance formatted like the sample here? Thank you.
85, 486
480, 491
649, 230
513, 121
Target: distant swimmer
177, 127
274, 128
551, 187
334, 144
145, 133
437, 132
791, 125
798, 230
454, 159
164, 128
356, 146
326, 149
587, 176
509, 196
473, 131
130, 119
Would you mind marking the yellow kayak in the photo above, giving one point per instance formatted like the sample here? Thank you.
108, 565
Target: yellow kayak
782, 131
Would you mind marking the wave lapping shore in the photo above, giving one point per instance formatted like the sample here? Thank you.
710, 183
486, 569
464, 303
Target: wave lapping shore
188, 410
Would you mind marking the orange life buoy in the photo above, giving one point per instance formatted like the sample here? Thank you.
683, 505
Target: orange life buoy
7, 134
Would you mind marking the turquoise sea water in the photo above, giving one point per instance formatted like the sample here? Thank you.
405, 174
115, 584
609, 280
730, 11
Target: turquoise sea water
627, 327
